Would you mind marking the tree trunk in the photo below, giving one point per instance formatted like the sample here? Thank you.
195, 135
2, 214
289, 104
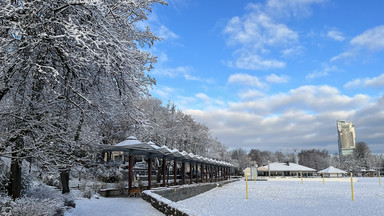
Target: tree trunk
64, 177
14, 188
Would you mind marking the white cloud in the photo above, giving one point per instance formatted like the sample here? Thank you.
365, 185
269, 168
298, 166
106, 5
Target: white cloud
255, 62
164, 33
287, 8
375, 82
322, 73
251, 94
345, 55
246, 80
164, 92
353, 84
257, 33
171, 72
336, 35
372, 40
302, 118
315, 98
273, 78
292, 51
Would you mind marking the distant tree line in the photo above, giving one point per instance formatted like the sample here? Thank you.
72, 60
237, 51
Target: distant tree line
360, 159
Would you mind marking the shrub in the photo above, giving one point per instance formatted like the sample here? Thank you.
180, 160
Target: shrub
38, 200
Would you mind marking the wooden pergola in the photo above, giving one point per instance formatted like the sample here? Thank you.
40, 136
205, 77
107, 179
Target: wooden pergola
210, 170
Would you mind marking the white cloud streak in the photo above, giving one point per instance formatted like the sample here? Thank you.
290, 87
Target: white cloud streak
372, 40
375, 82
336, 35
246, 80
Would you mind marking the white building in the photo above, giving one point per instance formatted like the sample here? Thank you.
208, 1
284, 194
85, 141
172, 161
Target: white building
285, 169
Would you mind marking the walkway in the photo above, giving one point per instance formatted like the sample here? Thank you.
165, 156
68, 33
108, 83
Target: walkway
112, 206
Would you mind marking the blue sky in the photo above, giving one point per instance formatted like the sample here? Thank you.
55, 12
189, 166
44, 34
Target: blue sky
274, 74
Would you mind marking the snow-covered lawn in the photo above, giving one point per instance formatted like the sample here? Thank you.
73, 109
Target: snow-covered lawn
289, 198
264, 198
112, 206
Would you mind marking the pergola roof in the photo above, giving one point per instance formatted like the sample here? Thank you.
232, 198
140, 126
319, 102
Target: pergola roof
331, 169
135, 147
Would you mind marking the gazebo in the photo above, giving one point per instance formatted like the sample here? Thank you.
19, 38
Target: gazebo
210, 170
332, 172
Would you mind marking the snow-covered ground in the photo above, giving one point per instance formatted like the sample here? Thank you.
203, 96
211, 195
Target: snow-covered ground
264, 198
112, 206
289, 198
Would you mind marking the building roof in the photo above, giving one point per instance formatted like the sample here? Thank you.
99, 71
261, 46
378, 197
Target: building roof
285, 167
331, 169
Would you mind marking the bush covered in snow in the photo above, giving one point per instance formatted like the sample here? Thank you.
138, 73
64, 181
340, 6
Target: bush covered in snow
38, 200
108, 173
3, 175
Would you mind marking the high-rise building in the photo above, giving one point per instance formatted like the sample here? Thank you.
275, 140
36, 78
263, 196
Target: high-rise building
346, 135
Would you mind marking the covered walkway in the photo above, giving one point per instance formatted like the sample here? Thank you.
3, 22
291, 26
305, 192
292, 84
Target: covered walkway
184, 167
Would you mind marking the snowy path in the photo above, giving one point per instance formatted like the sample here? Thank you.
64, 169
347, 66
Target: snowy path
112, 206
289, 198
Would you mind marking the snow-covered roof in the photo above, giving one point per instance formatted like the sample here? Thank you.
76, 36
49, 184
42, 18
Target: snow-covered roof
130, 141
331, 169
285, 167
132, 145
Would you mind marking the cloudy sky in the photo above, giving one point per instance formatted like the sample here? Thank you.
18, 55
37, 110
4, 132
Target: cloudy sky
274, 74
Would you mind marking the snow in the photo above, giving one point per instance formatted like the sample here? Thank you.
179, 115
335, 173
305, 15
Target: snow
130, 141
289, 198
331, 169
121, 206
277, 197
286, 167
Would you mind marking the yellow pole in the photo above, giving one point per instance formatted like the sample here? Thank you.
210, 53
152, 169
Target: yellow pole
379, 179
301, 174
352, 185
323, 177
246, 184
254, 177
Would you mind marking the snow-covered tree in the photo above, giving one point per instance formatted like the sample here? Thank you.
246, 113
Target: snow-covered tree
65, 67
362, 155
315, 159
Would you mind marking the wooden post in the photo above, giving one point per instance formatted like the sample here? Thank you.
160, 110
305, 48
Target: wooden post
197, 173
164, 170
202, 172
174, 172
130, 172
216, 171
183, 172
190, 173
149, 172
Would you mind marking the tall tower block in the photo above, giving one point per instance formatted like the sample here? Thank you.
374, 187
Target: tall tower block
346, 137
